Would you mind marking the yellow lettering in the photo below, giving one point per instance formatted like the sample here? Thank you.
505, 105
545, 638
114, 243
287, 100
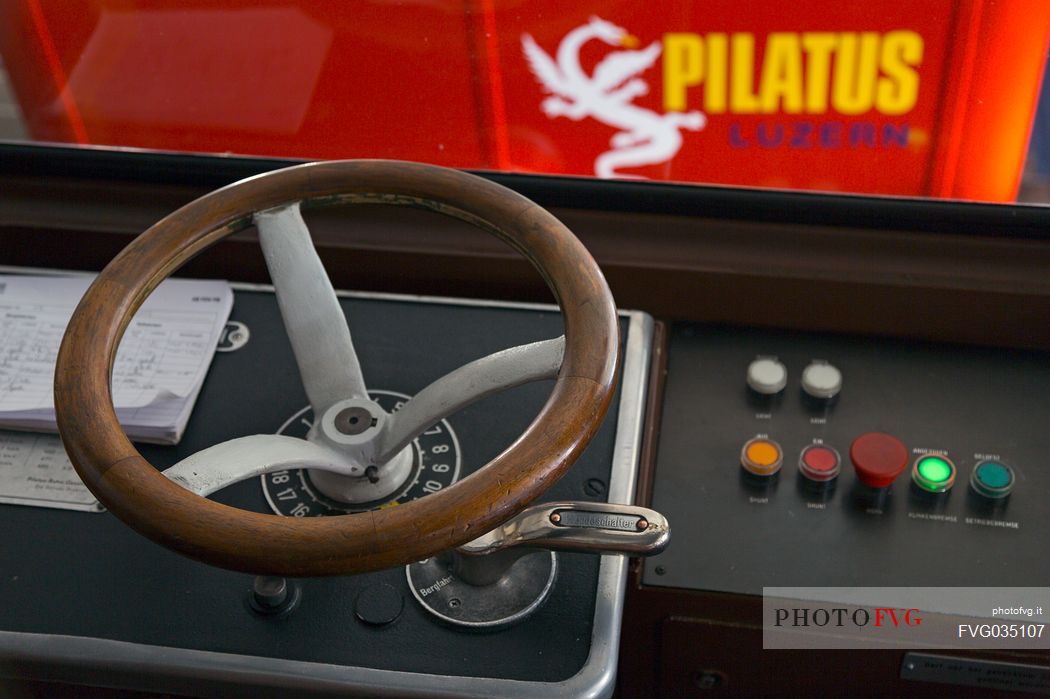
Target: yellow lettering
781, 74
742, 98
819, 47
717, 72
898, 91
811, 72
683, 67
856, 67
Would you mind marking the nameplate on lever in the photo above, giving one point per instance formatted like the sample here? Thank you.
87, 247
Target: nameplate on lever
596, 520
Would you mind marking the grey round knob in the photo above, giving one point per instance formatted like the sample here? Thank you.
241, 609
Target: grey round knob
272, 596
269, 592
767, 376
821, 380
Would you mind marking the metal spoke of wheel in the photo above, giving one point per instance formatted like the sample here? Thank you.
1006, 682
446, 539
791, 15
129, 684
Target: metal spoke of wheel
312, 315
226, 463
467, 384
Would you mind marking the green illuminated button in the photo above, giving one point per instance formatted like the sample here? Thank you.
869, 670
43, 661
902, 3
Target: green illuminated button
992, 479
933, 473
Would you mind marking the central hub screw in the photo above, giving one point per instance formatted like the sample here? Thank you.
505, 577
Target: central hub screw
353, 420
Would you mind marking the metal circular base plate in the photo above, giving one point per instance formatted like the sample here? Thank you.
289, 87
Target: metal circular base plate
516, 595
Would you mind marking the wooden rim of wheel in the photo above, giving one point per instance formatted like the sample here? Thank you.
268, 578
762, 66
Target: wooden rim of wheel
136, 492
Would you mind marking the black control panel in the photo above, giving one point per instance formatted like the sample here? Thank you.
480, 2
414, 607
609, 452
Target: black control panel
88, 575
791, 459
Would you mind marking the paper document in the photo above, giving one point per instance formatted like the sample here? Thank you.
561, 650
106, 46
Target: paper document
160, 365
34, 470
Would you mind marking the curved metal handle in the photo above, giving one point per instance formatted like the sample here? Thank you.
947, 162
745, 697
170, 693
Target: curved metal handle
589, 527
586, 527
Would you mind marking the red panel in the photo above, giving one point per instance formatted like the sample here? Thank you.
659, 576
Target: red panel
992, 99
330, 79
898, 98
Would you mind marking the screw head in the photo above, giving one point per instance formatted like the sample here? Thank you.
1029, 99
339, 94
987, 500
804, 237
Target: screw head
354, 420
555, 517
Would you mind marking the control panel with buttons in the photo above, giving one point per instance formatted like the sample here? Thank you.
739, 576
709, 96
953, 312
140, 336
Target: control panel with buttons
793, 459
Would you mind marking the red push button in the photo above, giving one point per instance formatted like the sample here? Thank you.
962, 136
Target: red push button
819, 462
878, 458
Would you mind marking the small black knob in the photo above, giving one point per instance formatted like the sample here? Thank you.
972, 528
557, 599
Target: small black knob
271, 596
270, 592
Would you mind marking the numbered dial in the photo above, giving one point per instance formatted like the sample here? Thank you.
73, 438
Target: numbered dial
435, 465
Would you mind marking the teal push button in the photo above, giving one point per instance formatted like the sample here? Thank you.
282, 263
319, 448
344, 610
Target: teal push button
992, 479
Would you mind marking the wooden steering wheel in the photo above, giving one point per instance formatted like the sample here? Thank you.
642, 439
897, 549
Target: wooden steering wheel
174, 516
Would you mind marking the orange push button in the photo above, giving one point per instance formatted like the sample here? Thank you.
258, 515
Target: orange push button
761, 457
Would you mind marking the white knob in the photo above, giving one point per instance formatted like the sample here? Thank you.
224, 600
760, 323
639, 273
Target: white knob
766, 376
821, 380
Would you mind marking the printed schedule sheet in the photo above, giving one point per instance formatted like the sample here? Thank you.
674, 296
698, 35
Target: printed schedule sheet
159, 370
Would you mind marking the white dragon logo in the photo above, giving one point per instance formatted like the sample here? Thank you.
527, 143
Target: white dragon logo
645, 137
